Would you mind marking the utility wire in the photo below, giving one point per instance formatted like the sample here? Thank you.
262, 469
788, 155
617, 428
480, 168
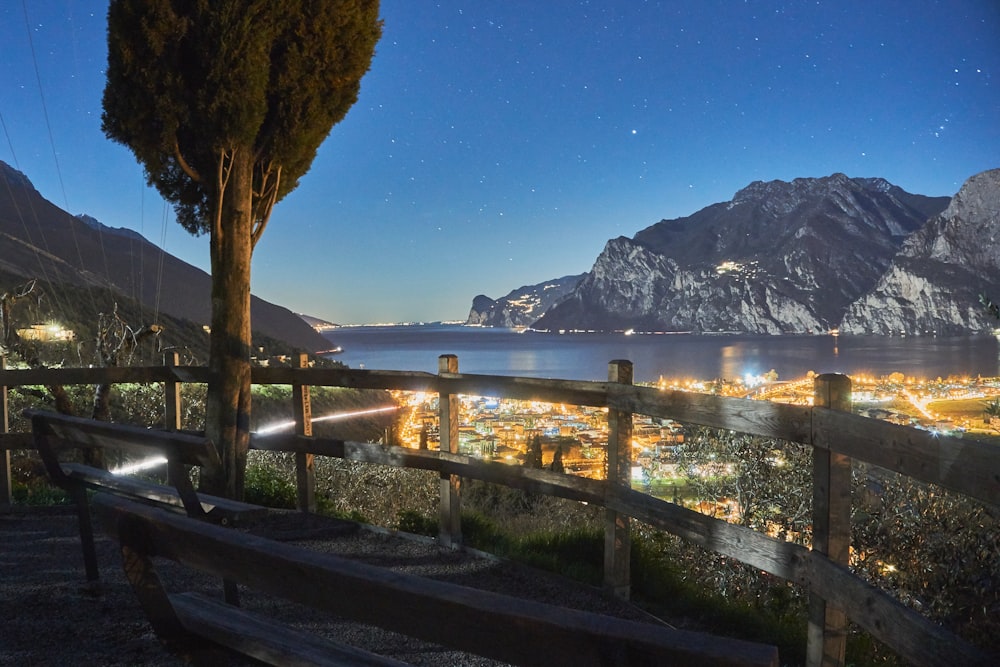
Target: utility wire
135, 278
163, 253
61, 305
55, 157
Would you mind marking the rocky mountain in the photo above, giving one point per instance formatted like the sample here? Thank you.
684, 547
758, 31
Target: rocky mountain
932, 285
40, 240
523, 306
779, 257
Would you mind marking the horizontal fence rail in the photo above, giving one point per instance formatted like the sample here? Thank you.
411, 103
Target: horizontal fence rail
968, 467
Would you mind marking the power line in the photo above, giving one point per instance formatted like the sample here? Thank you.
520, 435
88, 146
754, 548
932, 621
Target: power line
24, 224
55, 157
159, 269
135, 278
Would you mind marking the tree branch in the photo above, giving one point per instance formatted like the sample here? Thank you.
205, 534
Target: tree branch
222, 181
185, 167
269, 196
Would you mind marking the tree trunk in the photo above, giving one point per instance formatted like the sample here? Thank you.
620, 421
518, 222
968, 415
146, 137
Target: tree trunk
227, 421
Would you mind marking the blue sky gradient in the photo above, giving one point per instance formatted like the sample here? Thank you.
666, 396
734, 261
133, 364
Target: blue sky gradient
497, 144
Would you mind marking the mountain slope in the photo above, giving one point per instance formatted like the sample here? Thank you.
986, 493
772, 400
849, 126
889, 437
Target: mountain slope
934, 282
779, 257
521, 306
40, 240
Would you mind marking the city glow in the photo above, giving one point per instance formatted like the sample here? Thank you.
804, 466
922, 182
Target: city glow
331, 417
920, 403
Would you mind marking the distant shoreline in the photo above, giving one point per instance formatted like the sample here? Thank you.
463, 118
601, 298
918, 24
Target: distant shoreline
585, 356
634, 332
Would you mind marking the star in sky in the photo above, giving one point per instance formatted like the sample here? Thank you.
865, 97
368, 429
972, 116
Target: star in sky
501, 144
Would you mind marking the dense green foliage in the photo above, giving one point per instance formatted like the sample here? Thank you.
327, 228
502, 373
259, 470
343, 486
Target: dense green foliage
188, 81
933, 550
270, 477
937, 551
767, 481
36, 491
267, 486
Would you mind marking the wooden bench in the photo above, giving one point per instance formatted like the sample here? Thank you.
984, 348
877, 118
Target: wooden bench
480, 622
56, 433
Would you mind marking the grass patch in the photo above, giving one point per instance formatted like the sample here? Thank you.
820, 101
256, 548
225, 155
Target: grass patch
772, 611
411, 521
660, 581
38, 494
961, 408
577, 553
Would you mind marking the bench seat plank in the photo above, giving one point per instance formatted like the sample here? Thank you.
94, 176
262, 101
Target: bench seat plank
270, 642
533, 633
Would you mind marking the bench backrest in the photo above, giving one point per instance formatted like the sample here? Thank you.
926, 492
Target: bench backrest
74, 432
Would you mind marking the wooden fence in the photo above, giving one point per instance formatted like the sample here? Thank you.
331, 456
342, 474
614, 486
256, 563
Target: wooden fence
836, 436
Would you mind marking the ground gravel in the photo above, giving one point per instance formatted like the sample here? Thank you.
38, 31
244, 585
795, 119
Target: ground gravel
50, 616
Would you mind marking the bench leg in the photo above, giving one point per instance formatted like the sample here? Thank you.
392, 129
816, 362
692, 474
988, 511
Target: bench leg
153, 599
79, 494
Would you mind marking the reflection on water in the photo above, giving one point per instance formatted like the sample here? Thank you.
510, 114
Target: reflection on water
730, 363
523, 362
586, 356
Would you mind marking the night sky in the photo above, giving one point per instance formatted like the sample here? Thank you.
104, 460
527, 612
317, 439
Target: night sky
501, 143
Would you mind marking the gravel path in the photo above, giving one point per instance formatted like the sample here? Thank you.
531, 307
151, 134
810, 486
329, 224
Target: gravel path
48, 615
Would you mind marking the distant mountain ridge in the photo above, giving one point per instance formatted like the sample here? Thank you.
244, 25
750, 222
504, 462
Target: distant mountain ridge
796, 257
778, 258
933, 284
522, 306
40, 240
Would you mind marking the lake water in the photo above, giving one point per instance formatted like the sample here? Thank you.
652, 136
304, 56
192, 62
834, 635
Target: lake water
585, 356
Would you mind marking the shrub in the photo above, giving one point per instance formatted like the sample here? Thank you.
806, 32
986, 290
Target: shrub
410, 521
38, 493
268, 484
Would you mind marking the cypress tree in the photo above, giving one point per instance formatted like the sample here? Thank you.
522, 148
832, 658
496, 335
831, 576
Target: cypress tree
225, 104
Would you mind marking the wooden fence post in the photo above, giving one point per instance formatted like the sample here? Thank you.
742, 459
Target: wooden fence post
172, 396
617, 536
827, 631
305, 462
171, 403
6, 492
450, 526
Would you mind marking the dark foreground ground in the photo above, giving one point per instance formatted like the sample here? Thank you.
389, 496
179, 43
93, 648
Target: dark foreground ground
48, 616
